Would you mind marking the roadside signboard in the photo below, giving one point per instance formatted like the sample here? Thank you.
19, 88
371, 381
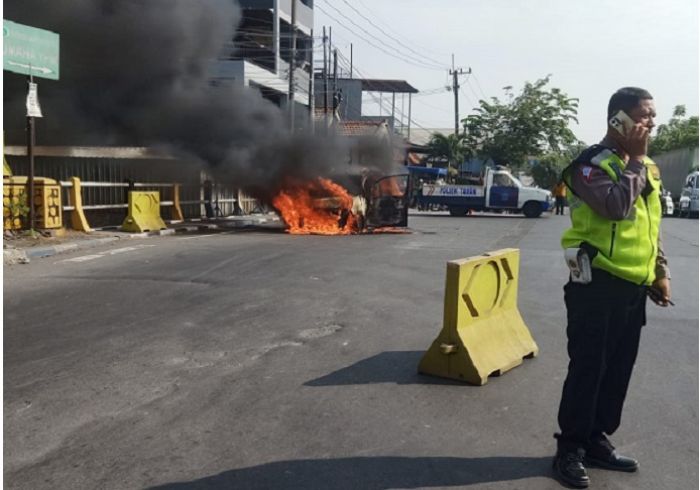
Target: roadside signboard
30, 51
33, 107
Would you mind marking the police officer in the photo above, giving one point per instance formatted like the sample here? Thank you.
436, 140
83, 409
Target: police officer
615, 209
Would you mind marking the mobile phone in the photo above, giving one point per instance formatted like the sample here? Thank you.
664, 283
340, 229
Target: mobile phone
621, 122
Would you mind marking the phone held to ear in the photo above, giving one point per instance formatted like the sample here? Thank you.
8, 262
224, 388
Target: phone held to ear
621, 122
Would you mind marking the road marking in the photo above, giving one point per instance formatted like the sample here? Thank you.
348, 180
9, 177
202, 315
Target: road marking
193, 237
121, 250
85, 258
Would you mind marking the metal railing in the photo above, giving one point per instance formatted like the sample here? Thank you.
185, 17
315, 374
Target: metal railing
74, 201
65, 184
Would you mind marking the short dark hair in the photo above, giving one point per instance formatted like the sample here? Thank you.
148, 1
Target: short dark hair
625, 99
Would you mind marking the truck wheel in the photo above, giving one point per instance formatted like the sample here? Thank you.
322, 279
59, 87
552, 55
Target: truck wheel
532, 209
458, 212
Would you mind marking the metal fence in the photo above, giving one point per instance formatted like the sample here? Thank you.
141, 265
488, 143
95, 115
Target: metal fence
107, 174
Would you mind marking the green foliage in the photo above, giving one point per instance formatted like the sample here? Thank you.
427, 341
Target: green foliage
680, 132
546, 172
449, 148
530, 124
19, 207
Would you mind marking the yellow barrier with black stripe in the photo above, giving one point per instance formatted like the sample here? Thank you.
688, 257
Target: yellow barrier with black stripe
483, 333
144, 212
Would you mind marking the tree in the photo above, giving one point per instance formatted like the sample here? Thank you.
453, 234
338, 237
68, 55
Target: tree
530, 124
447, 147
546, 171
679, 133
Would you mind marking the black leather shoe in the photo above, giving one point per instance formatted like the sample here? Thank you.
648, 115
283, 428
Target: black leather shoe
602, 454
568, 467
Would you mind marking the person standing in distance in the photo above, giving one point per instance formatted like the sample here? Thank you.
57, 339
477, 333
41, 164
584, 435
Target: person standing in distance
615, 210
560, 197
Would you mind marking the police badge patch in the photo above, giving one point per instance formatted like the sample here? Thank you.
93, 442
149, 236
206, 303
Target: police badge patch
586, 172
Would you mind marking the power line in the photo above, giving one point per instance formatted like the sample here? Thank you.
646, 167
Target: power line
472, 89
385, 33
380, 102
471, 102
432, 91
387, 26
479, 85
394, 55
442, 109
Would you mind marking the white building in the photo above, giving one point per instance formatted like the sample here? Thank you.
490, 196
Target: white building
259, 55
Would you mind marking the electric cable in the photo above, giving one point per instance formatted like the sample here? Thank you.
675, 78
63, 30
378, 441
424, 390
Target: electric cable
393, 55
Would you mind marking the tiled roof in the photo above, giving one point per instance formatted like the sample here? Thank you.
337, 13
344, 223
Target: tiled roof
359, 128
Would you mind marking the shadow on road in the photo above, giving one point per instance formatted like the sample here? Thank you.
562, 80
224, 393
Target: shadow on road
372, 473
398, 367
426, 214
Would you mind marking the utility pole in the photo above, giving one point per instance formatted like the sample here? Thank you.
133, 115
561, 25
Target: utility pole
330, 47
351, 61
312, 95
455, 88
335, 76
325, 76
409, 116
292, 63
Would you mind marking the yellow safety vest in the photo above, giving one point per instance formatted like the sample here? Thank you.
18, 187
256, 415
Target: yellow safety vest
626, 248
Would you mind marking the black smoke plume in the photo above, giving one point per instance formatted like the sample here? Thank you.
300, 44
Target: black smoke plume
137, 73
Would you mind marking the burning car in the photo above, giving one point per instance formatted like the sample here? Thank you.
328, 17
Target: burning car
365, 202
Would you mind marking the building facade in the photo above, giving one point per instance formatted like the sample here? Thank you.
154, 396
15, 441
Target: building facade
259, 56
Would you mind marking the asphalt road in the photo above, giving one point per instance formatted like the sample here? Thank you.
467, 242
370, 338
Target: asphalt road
261, 360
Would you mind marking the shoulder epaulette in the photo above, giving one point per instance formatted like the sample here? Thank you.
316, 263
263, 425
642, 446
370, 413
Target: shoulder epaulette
594, 155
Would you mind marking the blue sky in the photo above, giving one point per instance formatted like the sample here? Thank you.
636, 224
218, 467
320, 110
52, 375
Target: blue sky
591, 48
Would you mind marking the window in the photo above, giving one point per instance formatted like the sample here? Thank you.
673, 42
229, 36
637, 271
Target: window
503, 180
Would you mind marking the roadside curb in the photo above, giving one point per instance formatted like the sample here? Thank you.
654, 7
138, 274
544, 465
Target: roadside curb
24, 255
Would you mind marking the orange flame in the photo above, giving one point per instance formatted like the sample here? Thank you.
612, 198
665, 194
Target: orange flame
319, 207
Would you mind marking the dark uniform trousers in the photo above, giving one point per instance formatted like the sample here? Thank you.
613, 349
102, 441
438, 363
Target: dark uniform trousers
605, 318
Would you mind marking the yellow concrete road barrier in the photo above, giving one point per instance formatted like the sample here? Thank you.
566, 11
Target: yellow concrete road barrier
483, 333
47, 203
144, 212
77, 215
177, 210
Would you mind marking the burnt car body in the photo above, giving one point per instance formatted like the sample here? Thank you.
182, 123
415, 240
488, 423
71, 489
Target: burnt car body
379, 200
387, 202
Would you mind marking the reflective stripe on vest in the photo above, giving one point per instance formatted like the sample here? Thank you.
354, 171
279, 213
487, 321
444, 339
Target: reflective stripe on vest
626, 248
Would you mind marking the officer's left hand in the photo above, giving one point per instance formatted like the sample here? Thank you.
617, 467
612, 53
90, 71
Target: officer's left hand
663, 287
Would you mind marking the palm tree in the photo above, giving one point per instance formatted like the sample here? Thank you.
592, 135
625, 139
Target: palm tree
448, 147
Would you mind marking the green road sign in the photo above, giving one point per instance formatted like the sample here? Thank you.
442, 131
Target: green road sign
29, 51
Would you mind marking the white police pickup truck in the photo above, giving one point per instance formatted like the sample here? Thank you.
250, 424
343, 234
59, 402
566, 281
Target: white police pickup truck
495, 190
